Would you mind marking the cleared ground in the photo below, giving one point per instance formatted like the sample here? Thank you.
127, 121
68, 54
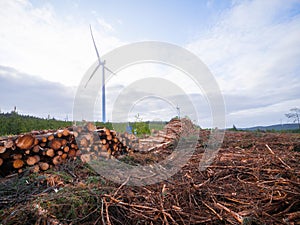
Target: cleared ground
255, 179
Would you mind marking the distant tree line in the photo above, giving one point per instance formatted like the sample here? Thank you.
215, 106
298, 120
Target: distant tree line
13, 123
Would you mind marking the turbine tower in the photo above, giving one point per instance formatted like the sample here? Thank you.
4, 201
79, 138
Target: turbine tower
178, 111
100, 63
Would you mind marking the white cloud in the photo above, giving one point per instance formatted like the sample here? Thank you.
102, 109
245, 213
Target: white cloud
33, 95
37, 41
253, 50
105, 25
254, 53
143, 88
249, 45
269, 114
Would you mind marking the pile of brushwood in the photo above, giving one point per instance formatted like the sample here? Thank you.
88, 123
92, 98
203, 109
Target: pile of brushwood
255, 179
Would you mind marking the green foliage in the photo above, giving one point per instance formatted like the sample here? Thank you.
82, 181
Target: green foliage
284, 131
139, 127
107, 125
13, 123
120, 127
157, 125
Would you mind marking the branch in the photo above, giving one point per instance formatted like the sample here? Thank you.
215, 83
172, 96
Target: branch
234, 214
277, 157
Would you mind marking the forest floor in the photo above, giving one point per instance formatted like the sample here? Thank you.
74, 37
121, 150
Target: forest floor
254, 179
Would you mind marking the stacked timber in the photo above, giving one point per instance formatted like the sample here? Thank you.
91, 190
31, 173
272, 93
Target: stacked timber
42, 150
167, 137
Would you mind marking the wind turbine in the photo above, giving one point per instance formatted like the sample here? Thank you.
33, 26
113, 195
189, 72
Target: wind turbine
178, 111
100, 63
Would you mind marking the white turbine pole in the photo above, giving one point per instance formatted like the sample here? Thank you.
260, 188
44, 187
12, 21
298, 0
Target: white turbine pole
100, 63
103, 94
103, 77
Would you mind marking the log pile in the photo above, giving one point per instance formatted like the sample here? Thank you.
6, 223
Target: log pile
167, 137
42, 150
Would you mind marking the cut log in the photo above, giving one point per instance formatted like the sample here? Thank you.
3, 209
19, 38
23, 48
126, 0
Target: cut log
64, 156
51, 137
109, 137
59, 134
50, 152
91, 127
85, 158
17, 156
9, 144
44, 166
113, 133
84, 142
65, 132
25, 142
63, 142
72, 153
66, 149
44, 149
36, 148
43, 145
18, 163
115, 147
55, 144
60, 153
36, 142
74, 146
104, 141
31, 160
2, 149
37, 158
44, 139
107, 132
57, 160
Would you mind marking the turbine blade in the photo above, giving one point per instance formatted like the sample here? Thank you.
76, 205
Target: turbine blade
109, 70
93, 73
98, 56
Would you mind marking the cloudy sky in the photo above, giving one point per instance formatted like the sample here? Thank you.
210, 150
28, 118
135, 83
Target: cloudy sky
252, 48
